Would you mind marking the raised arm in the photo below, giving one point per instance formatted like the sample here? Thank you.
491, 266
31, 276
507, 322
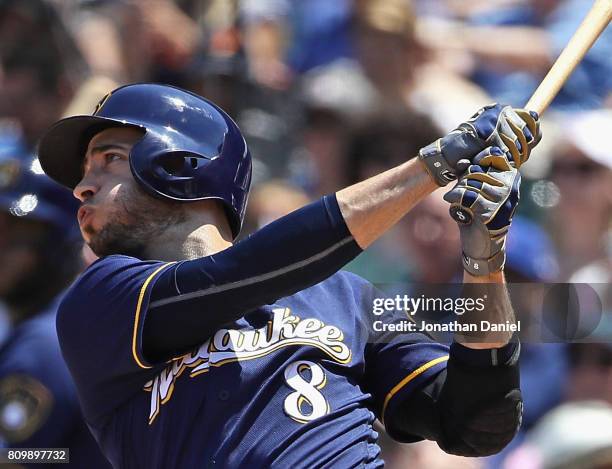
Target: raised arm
192, 299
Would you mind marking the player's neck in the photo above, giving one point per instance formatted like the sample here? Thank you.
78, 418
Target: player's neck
202, 234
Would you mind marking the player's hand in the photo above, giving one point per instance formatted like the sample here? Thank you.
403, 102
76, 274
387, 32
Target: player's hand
515, 131
483, 202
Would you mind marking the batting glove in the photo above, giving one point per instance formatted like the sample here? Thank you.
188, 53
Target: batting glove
483, 202
515, 131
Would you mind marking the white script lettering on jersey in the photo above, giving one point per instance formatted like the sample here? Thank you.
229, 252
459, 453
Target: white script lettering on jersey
229, 345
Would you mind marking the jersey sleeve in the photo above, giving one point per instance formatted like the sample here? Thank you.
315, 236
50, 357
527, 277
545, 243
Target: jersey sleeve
397, 363
194, 298
99, 324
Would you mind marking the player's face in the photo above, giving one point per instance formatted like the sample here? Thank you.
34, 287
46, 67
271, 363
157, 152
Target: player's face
116, 216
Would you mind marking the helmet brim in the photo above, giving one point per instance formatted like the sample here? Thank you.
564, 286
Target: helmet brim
62, 149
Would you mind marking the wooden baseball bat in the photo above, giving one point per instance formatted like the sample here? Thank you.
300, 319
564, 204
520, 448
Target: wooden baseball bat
587, 33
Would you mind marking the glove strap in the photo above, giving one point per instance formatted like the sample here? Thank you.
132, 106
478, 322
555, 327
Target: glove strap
480, 267
437, 166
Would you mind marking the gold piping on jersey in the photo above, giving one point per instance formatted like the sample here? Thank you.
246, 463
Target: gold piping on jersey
143, 290
409, 378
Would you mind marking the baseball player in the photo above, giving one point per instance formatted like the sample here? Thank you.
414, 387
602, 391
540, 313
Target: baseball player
39, 246
191, 351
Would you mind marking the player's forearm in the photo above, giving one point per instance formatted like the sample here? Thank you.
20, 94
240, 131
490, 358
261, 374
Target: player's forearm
373, 206
498, 309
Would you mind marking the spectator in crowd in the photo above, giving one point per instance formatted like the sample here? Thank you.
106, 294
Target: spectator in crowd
336, 99
272, 200
39, 257
319, 32
384, 140
577, 434
582, 222
158, 40
430, 238
514, 44
590, 376
40, 66
405, 71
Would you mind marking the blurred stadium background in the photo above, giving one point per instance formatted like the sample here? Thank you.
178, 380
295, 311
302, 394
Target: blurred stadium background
329, 92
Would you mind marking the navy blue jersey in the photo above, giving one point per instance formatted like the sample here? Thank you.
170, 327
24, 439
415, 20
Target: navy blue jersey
38, 400
294, 383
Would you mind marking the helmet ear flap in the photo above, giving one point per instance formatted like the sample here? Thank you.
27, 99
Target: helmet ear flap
173, 174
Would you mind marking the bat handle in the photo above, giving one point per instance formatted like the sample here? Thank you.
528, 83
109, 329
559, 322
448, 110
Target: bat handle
589, 30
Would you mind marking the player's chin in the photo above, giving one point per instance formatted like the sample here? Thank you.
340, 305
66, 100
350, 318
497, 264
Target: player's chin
102, 244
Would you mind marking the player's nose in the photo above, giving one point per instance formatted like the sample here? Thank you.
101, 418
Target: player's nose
86, 188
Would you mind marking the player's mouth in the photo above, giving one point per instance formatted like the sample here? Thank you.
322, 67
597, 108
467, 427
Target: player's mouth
84, 215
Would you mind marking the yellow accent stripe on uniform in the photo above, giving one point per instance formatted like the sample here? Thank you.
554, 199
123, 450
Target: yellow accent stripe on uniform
143, 290
409, 378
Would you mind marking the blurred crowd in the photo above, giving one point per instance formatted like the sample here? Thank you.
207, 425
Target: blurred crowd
327, 92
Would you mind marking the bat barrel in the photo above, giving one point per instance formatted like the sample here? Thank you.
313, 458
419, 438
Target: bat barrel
587, 33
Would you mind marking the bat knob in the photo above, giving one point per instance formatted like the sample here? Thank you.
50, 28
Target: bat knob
460, 215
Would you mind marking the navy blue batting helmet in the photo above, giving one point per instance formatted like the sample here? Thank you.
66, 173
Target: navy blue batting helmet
27, 193
191, 149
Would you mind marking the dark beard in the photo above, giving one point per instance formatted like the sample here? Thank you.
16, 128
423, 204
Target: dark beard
115, 238
148, 217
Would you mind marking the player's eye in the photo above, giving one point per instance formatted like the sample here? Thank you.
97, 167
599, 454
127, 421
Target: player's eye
110, 157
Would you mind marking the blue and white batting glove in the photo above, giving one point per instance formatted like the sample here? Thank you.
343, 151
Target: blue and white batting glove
515, 131
482, 203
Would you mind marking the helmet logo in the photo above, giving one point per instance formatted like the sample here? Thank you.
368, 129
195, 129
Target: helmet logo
102, 103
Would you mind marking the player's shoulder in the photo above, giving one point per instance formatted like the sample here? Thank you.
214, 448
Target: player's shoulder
105, 281
92, 278
107, 273
110, 265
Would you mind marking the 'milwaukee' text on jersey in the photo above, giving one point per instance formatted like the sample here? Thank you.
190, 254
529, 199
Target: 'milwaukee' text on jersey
295, 383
